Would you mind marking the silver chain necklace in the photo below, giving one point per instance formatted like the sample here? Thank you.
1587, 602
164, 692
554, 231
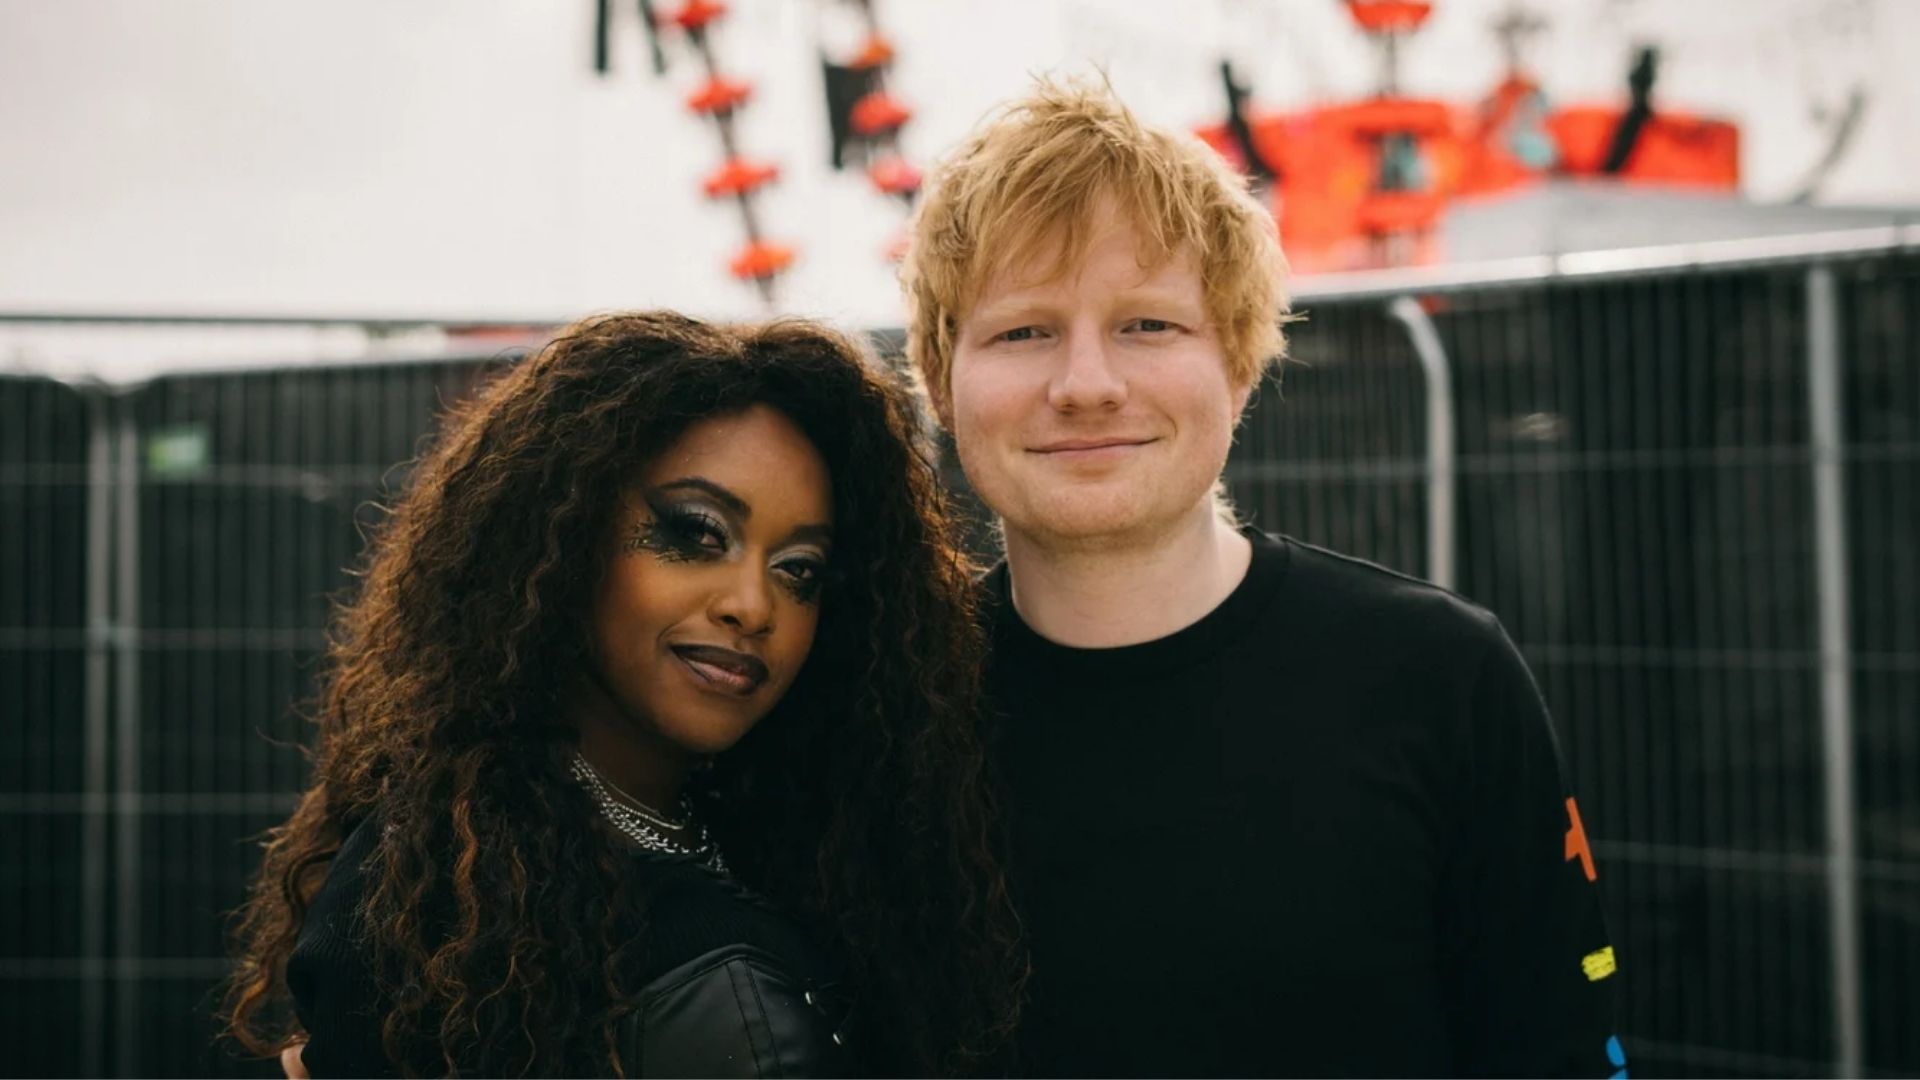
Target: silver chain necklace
646, 827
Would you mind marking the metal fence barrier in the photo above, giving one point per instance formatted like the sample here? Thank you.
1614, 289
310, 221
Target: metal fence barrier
1694, 498
150, 677
1691, 492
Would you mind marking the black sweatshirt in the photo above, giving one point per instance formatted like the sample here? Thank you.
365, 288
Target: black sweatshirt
1322, 831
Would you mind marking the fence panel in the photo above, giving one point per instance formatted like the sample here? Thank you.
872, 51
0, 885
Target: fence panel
1333, 450
1635, 500
52, 838
254, 493
1636, 503
1880, 356
1637, 509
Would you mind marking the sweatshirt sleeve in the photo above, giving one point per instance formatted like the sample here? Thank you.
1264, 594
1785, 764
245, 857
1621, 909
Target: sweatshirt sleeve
1531, 969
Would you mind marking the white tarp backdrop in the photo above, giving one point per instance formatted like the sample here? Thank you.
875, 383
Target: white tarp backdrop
446, 157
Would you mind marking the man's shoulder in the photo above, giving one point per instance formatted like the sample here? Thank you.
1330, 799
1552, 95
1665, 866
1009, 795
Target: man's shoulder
1345, 596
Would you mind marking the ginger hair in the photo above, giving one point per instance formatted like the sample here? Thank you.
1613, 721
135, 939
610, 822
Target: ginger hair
1022, 194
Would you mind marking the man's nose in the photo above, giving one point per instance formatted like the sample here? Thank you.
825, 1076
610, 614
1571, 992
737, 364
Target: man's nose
1086, 377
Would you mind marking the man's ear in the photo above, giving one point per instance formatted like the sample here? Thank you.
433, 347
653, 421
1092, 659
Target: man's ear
940, 400
1242, 395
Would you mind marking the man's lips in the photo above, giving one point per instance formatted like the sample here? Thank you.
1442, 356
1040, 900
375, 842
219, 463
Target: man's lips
1089, 445
725, 669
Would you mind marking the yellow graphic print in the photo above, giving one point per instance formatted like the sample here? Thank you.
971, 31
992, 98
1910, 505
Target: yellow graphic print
1598, 965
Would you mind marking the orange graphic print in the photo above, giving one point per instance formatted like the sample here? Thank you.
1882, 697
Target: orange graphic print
1577, 842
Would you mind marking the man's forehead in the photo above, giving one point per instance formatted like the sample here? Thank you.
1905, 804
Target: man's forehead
1017, 281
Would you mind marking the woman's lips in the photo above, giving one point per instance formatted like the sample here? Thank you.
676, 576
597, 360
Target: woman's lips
723, 669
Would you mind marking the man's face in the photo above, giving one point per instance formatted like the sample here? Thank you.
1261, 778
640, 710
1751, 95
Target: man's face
1093, 411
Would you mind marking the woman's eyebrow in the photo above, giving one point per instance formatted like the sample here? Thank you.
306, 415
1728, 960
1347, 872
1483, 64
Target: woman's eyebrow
733, 503
812, 534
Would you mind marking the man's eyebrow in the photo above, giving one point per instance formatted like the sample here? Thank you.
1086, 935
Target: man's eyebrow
1012, 307
1025, 306
1156, 294
734, 503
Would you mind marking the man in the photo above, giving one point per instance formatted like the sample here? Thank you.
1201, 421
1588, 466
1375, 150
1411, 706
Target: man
1273, 810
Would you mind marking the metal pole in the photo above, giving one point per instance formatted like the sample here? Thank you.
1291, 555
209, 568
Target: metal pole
126, 1036
1442, 502
98, 778
1836, 662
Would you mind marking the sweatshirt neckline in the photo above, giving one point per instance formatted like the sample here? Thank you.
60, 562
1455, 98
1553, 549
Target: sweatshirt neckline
1198, 641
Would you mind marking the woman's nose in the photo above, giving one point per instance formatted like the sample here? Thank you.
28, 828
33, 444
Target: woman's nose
746, 603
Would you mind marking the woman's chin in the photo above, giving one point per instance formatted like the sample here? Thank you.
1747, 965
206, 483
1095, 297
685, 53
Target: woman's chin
707, 739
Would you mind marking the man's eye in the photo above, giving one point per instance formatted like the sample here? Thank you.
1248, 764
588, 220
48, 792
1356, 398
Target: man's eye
1152, 326
1018, 333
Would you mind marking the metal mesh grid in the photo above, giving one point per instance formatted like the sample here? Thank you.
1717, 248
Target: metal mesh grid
246, 525
1635, 494
223, 511
1636, 501
1881, 356
1334, 450
52, 896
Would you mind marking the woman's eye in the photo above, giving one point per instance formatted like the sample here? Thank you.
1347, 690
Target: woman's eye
681, 534
698, 529
804, 577
1018, 333
808, 570
1152, 326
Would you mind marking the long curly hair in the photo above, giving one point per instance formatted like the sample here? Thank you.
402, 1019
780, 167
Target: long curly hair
498, 922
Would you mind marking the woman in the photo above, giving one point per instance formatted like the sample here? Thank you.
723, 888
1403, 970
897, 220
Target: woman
647, 744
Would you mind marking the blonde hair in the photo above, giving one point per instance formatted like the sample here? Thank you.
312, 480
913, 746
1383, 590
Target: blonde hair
1028, 186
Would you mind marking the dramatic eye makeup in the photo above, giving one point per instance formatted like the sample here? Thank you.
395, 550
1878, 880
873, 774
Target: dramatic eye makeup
680, 532
687, 519
695, 520
803, 576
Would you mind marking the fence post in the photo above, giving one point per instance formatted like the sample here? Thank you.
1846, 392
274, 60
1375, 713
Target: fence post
127, 946
97, 778
1442, 503
1825, 440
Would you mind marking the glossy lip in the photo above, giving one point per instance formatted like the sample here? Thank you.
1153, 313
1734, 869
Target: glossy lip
722, 669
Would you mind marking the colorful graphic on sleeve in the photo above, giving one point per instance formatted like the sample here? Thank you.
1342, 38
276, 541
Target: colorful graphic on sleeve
1576, 846
1598, 964
1617, 1057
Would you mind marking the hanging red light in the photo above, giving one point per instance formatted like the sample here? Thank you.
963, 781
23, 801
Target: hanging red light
738, 177
867, 118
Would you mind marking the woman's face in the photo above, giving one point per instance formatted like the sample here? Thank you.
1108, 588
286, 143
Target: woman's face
713, 586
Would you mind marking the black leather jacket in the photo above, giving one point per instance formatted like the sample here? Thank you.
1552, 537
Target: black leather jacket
730, 986
736, 1011
753, 997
